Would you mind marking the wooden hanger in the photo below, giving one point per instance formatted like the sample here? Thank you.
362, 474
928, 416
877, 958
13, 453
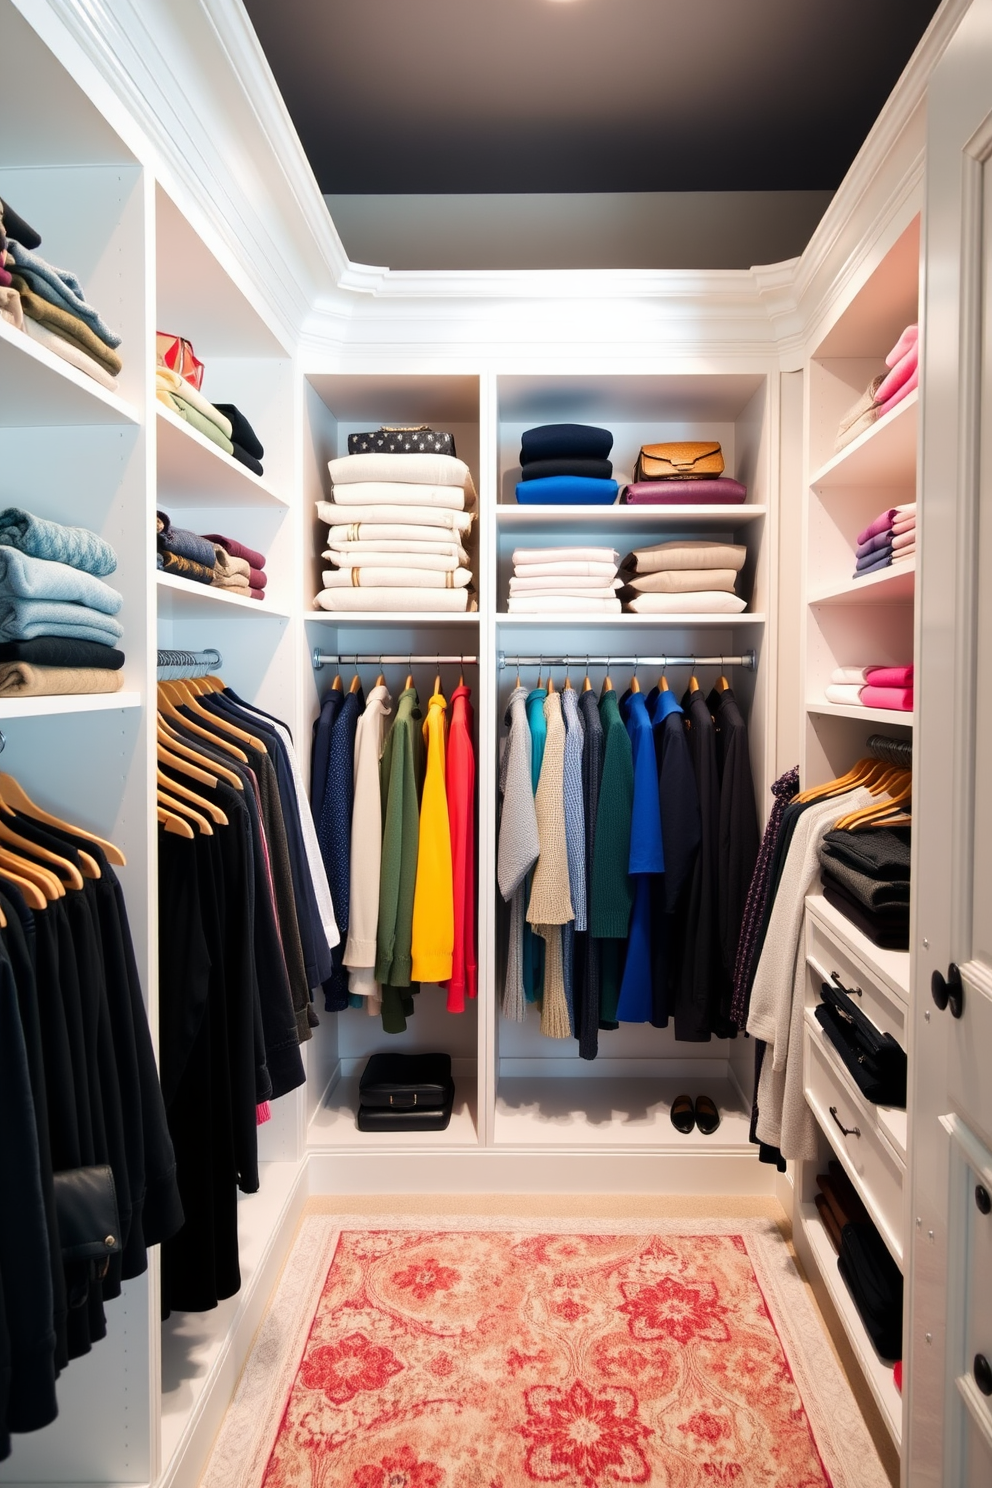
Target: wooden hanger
166, 757
437, 684
356, 683
694, 683
65, 871
337, 685
409, 682
607, 685
171, 741
551, 683
171, 803
663, 683
188, 725
635, 685
16, 796
43, 879
586, 685
900, 790
88, 864
173, 823
32, 894
722, 685
837, 787
568, 682
206, 807
183, 692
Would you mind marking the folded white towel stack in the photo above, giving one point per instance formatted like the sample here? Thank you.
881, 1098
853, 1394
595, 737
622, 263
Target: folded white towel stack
399, 531
564, 581
684, 578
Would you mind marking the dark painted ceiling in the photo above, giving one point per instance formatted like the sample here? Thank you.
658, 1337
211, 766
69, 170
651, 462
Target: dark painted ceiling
585, 95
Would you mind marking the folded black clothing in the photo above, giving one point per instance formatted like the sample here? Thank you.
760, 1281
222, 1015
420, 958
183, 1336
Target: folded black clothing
884, 929
873, 893
876, 1286
882, 852
15, 227
62, 651
249, 461
241, 430
561, 441
566, 465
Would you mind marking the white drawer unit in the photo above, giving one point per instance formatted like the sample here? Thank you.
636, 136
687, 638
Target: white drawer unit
836, 961
851, 1126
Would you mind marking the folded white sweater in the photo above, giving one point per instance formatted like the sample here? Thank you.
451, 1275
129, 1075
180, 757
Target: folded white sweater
372, 558
392, 511
396, 578
705, 602
419, 470
396, 599
413, 550
376, 532
550, 583
576, 568
523, 556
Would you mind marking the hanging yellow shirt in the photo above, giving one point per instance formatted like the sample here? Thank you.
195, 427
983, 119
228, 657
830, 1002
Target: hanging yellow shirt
433, 900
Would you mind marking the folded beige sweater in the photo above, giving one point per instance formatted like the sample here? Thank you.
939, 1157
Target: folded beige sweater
396, 578
24, 679
695, 554
684, 580
709, 602
396, 599
386, 510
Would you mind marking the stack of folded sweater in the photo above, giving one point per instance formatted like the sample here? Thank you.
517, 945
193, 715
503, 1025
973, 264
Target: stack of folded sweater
562, 463
57, 628
49, 304
886, 390
686, 577
222, 423
872, 687
214, 559
571, 581
399, 524
889, 539
865, 875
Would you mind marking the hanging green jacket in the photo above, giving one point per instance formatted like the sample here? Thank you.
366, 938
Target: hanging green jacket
401, 780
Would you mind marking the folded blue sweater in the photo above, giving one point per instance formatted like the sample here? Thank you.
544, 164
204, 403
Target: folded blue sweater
40, 538
25, 577
559, 489
60, 288
24, 619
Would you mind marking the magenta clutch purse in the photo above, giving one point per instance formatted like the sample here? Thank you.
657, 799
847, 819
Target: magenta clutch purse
720, 492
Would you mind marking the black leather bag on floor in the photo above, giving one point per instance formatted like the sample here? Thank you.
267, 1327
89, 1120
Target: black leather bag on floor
389, 440
406, 1092
874, 1060
875, 1283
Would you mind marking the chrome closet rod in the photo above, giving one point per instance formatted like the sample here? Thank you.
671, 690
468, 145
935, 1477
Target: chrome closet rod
747, 660
379, 658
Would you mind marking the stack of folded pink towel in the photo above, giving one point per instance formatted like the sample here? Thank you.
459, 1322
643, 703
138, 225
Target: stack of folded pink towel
890, 538
873, 687
887, 390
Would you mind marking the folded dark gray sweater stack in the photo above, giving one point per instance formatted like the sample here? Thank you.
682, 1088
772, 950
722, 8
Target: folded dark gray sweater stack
865, 875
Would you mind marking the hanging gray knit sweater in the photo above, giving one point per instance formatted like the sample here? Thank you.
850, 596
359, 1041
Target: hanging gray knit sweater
519, 843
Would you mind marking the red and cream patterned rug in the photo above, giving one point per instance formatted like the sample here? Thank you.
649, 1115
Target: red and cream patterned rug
498, 1354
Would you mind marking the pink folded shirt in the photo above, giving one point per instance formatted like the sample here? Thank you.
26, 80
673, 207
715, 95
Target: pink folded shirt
910, 337
899, 699
900, 374
896, 676
882, 523
904, 540
897, 397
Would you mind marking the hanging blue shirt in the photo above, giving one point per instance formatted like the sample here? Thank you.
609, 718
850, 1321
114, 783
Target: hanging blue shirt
646, 859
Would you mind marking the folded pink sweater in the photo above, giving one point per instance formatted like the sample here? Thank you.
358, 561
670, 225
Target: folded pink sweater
910, 337
900, 374
882, 523
908, 387
898, 676
898, 698
237, 550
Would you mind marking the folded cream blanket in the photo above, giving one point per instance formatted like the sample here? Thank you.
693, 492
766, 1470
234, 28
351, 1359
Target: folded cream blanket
24, 679
568, 570
391, 511
846, 693
685, 580
373, 558
418, 470
696, 554
561, 604
70, 352
396, 599
708, 602
554, 591
386, 545
527, 556
552, 583
377, 532
396, 578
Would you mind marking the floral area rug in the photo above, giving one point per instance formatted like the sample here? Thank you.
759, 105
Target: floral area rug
504, 1354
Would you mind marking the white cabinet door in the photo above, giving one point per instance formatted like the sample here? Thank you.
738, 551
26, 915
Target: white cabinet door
949, 1333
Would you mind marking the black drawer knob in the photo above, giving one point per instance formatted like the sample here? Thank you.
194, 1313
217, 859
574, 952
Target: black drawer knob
947, 992
983, 1374
983, 1199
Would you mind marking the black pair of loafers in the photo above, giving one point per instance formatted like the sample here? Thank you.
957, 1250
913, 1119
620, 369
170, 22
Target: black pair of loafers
687, 1113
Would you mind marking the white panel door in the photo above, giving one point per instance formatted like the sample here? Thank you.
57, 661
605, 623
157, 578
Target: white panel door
949, 1337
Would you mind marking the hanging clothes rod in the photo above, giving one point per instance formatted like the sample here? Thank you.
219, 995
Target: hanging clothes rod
379, 658
747, 660
177, 666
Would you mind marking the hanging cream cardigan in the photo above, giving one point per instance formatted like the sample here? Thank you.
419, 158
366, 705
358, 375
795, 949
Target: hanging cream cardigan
366, 846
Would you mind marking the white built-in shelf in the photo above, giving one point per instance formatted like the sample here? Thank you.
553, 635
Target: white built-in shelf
877, 1372
97, 702
196, 1345
599, 1112
667, 622
511, 515
41, 390
891, 967
406, 618
895, 1125
883, 457
893, 717
186, 599
193, 471
333, 1124
893, 585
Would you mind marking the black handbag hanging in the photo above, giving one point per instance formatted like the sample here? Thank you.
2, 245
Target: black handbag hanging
876, 1063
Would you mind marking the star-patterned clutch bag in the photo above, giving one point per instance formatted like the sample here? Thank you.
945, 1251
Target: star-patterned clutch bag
419, 439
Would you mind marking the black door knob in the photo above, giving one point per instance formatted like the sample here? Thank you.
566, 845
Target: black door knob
948, 992
983, 1199
983, 1374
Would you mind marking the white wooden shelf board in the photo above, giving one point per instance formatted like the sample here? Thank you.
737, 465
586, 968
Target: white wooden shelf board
877, 1372
41, 390
194, 472
194, 1343
895, 1124
883, 457
99, 702
333, 1123
540, 1111
894, 585
511, 515
183, 597
892, 967
680, 622
894, 717
391, 617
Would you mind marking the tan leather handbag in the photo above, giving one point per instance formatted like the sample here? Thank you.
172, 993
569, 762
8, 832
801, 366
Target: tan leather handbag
687, 460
